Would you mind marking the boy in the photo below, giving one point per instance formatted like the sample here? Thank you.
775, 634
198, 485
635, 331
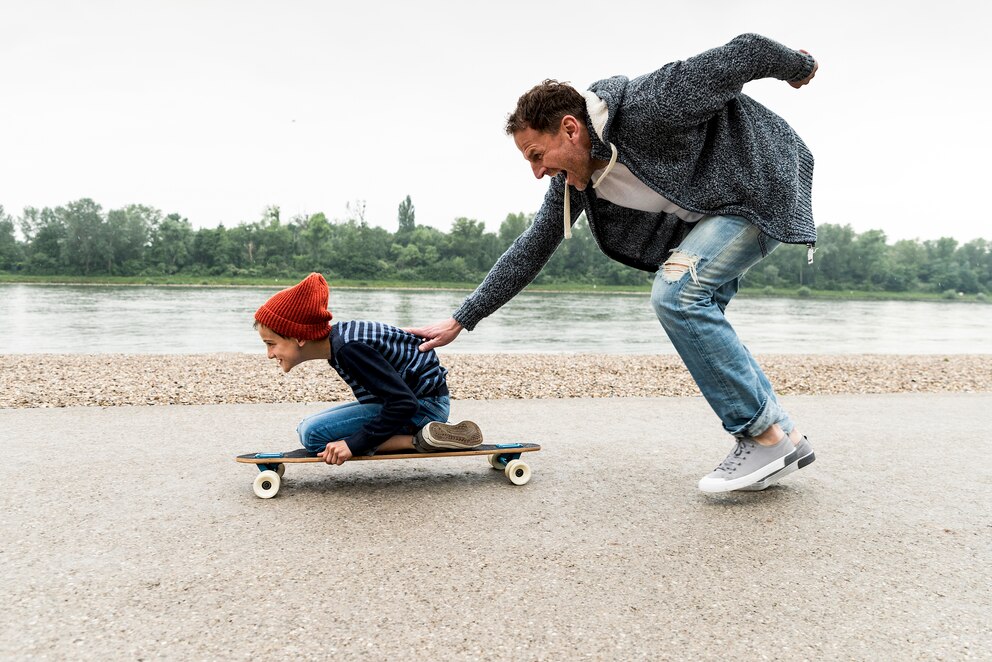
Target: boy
402, 396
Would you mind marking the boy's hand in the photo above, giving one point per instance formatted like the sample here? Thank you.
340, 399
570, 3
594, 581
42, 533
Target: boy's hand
437, 334
336, 452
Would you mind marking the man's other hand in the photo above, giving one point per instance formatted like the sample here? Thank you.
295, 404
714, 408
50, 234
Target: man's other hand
799, 83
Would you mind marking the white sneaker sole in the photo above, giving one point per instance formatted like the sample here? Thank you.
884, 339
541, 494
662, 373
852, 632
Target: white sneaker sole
712, 486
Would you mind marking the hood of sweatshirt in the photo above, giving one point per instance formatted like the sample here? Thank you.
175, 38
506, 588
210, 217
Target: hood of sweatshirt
599, 117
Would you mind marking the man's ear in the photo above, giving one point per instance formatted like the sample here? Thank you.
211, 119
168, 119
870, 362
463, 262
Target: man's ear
570, 125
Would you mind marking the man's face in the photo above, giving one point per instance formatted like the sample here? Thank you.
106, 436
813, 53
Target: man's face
288, 352
567, 150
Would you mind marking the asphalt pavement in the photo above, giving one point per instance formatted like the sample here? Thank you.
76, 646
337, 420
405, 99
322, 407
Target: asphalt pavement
131, 533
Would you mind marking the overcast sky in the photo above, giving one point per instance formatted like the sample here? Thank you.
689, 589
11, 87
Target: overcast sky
217, 109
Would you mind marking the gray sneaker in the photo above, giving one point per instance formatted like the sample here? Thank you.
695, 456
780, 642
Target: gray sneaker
749, 463
806, 457
437, 436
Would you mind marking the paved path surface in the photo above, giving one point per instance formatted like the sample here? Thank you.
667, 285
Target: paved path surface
131, 533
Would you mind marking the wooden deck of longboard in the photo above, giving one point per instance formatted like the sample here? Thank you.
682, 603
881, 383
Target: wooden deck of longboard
302, 455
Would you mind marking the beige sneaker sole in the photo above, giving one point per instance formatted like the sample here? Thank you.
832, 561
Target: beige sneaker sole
445, 435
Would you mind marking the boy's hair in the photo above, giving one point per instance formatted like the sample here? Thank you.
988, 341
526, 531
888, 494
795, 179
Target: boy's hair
258, 324
544, 105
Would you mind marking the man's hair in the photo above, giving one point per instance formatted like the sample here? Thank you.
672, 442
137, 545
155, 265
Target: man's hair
544, 105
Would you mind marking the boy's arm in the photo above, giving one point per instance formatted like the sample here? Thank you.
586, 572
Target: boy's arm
689, 92
370, 369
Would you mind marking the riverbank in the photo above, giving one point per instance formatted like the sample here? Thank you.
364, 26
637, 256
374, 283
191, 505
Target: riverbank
576, 288
109, 380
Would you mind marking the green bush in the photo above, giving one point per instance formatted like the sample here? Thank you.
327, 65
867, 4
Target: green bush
804, 292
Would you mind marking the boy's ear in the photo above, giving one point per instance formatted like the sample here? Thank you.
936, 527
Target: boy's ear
299, 342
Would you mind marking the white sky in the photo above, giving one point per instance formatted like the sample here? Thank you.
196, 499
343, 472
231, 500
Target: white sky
216, 109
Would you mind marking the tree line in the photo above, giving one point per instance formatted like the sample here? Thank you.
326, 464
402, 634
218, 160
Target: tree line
81, 239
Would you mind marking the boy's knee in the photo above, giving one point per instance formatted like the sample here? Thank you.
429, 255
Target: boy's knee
305, 433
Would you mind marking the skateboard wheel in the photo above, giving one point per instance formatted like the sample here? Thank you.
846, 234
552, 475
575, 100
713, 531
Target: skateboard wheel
495, 462
518, 472
280, 469
266, 484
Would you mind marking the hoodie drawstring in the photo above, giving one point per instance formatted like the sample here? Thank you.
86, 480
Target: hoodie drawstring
568, 205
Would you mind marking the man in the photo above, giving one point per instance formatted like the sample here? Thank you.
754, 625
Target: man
675, 168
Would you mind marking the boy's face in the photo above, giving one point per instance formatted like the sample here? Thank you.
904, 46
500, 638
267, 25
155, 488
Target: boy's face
288, 352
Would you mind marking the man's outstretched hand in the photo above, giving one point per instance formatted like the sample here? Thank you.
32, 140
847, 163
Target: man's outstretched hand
437, 335
799, 83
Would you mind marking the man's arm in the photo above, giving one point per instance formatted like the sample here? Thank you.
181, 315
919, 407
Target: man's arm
522, 261
513, 271
689, 92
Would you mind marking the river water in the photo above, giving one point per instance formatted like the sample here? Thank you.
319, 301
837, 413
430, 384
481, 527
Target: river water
192, 320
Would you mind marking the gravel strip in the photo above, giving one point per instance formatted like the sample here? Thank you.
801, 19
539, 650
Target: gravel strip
110, 380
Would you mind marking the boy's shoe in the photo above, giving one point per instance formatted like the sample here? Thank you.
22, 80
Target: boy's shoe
749, 463
806, 457
437, 436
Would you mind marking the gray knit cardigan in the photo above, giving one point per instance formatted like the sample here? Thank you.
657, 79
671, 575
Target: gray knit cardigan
688, 132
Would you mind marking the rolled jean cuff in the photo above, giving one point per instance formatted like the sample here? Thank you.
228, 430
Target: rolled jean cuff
769, 413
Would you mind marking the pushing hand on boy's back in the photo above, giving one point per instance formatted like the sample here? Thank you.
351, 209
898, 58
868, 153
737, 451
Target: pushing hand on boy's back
336, 452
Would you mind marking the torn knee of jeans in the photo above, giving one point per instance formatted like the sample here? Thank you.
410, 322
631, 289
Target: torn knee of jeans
677, 265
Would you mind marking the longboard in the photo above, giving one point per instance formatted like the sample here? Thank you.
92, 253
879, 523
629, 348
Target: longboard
504, 457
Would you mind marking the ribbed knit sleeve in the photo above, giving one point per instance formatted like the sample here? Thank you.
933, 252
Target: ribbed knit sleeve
689, 92
522, 261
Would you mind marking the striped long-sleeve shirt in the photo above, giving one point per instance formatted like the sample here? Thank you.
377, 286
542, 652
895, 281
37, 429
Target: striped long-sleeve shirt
383, 365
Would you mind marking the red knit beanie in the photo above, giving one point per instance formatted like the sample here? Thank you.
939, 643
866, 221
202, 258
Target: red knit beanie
298, 312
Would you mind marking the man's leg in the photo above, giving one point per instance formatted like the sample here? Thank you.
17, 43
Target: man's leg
691, 292
806, 456
722, 297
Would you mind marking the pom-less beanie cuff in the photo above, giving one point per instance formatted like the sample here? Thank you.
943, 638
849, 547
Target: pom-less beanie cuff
289, 329
298, 312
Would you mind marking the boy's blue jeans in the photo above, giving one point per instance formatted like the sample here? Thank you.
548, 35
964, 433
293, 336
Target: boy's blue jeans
338, 422
690, 294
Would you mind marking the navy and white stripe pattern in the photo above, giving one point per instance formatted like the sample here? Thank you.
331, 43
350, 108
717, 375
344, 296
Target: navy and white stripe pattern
421, 371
